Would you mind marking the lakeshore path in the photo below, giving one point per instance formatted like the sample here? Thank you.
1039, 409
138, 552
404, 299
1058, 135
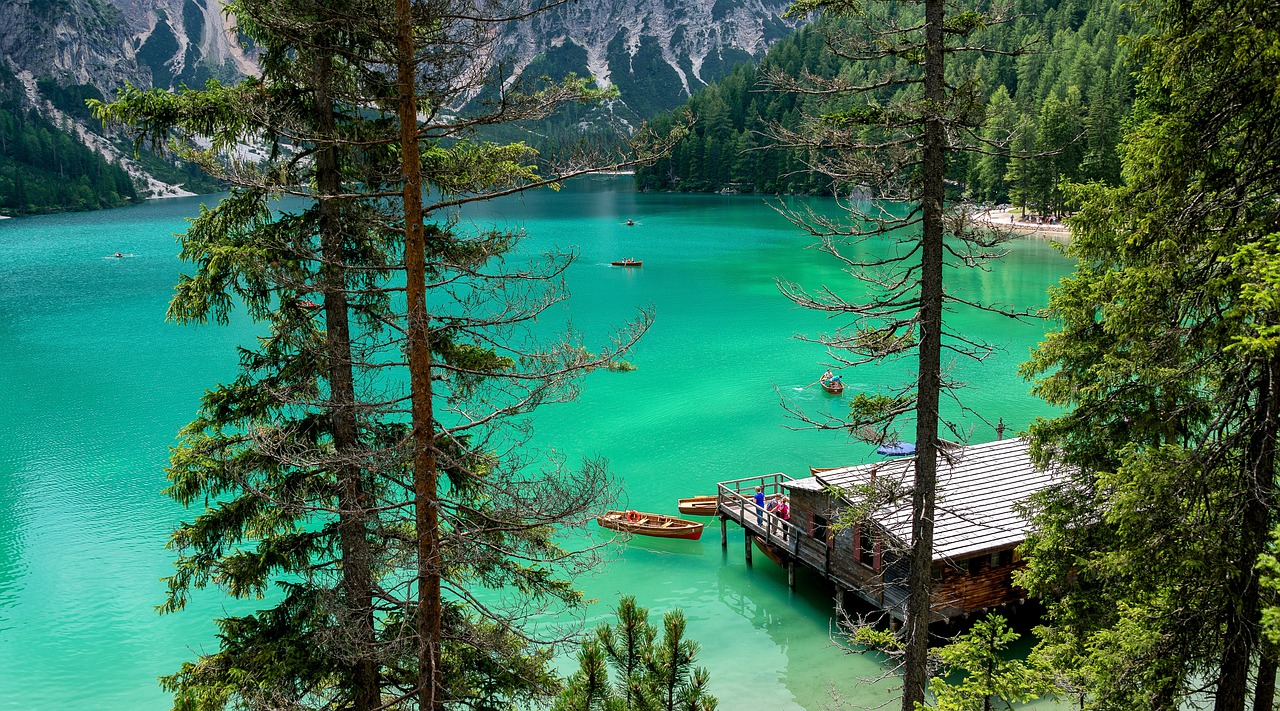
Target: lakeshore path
1011, 220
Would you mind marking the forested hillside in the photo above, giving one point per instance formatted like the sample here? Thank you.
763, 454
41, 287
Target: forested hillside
44, 169
1062, 106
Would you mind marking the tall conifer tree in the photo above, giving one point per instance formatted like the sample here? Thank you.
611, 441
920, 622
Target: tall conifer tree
1167, 361
886, 138
361, 462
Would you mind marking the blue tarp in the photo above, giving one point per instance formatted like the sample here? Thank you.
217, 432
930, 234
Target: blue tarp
896, 449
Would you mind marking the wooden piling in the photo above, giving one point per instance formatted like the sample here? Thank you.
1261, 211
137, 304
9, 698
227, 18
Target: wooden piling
746, 536
724, 532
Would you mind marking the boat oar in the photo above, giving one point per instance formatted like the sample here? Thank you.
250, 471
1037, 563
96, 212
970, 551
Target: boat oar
812, 384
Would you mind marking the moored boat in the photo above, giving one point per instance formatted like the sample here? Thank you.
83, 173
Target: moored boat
628, 262
770, 551
651, 524
835, 387
705, 505
896, 449
698, 505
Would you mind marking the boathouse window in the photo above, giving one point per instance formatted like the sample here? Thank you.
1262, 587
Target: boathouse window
821, 528
866, 545
1002, 558
975, 564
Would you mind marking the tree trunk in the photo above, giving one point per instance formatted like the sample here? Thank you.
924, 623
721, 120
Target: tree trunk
357, 578
1243, 614
928, 387
425, 477
1264, 692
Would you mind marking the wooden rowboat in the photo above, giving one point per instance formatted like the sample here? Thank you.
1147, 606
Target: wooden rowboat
706, 505
628, 262
651, 524
772, 553
698, 505
834, 387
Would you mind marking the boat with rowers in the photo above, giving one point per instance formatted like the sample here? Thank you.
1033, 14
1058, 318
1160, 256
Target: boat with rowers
628, 262
651, 524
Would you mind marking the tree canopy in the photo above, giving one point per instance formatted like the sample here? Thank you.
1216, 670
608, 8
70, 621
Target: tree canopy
1075, 92
1167, 362
307, 471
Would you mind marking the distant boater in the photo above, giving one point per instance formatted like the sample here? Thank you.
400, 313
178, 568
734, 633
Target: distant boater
630, 222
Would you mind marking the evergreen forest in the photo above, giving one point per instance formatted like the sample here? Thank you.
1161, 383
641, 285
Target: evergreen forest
370, 466
44, 169
1058, 88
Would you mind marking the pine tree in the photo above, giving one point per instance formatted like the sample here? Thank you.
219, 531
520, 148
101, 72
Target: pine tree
360, 466
887, 137
991, 673
651, 673
1167, 364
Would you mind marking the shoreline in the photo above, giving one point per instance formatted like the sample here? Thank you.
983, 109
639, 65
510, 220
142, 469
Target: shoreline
1007, 220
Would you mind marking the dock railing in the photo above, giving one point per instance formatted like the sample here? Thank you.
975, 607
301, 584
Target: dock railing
735, 500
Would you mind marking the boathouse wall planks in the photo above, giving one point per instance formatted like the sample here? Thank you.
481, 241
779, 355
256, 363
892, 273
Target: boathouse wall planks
977, 528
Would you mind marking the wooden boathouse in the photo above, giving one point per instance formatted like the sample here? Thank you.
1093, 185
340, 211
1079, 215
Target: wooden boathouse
976, 529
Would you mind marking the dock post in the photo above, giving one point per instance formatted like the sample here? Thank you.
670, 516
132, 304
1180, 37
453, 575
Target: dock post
791, 573
724, 532
746, 536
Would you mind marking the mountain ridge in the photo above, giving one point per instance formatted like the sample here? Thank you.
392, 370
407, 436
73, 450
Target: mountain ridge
656, 54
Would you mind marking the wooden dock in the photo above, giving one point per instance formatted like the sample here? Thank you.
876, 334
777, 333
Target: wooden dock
977, 530
790, 543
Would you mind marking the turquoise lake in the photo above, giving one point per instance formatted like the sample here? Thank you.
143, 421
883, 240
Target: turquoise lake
95, 386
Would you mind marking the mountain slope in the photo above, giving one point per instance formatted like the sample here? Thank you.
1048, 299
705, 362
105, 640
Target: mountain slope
657, 54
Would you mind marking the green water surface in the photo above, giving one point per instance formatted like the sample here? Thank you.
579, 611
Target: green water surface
95, 386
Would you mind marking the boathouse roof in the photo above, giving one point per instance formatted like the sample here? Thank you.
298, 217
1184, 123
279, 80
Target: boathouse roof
978, 486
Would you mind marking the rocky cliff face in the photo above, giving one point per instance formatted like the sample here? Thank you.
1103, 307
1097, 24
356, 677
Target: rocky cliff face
61, 50
656, 52
105, 43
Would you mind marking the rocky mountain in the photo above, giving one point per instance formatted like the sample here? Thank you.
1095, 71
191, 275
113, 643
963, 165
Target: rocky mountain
656, 52
105, 43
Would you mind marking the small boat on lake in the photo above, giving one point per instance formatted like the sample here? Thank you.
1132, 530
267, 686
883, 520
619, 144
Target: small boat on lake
651, 524
896, 449
705, 505
835, 387
770, 551
698, 505
628, 262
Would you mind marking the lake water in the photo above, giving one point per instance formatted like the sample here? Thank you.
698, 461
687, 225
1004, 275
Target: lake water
95, 386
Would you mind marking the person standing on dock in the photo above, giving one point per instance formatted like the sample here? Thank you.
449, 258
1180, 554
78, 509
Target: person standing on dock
759, 498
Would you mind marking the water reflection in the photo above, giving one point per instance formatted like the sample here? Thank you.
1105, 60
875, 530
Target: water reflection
815, 675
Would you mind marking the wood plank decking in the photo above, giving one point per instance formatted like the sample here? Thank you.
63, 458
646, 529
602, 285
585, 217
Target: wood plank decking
791, 543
